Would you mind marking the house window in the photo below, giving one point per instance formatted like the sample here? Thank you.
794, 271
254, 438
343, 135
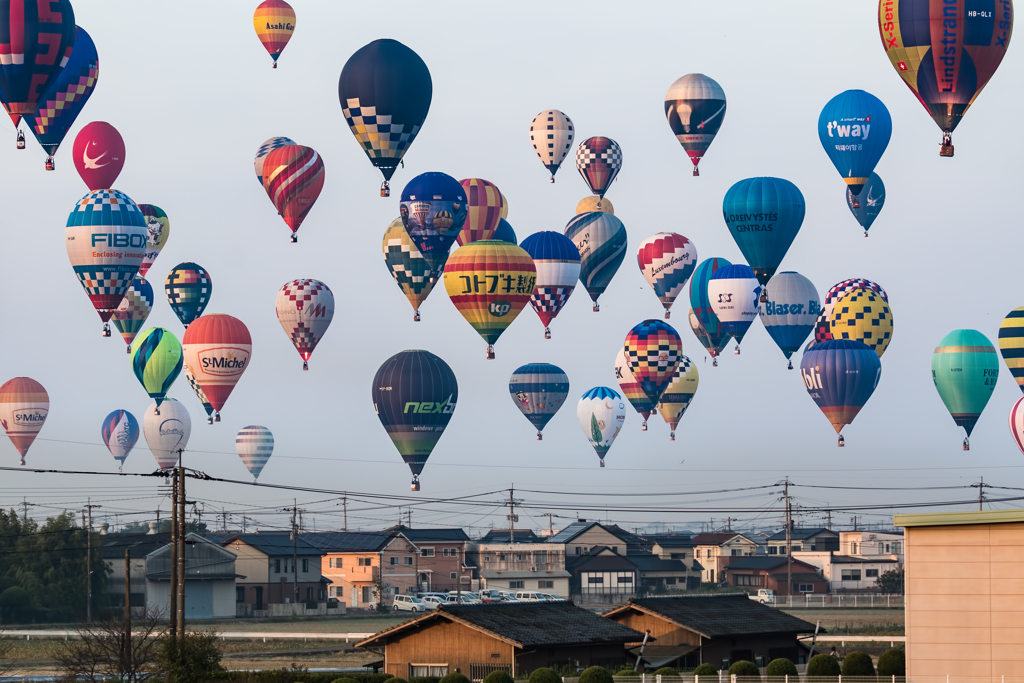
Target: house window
853, 548
698, 552
897, 548
678, 556
337, 591
321, 594
429, 552
240, 594
595, 579
427, 670
886, 547
545, 584
670, 580
749, 579
501, 557
444, 552
541, 557
309, 594
452, 575
804, 587
880, 546
737, 553
407, 561
277, 566
870, 573
516, 584
520, 558
334, 563
367, 593
626, 579
305, 565
797, 548
365, 562
393, 560
578, 550
773, 550
851, 575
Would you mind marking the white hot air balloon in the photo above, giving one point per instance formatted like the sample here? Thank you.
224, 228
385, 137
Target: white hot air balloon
305, 309
734, 294
551, 134
667, 261
167, 433
120, 432
601, 412
1017, 423
790, 311
254, 444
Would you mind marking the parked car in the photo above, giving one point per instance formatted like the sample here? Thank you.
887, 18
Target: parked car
765, 596
431, 602
408, 603
467, 597
552, 597
491, 595
508, 596
529, 596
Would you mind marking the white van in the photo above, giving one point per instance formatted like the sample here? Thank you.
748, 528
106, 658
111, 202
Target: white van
530, 596
408, 603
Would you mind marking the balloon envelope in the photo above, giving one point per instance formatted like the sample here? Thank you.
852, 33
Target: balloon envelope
764, 215
433, 210
1017, 423
965, 369
539, 390
131, 315
188, 288
791, 310
600, 239
557, 261
120, 433
254, 445
599, 160
98, 154
823, 326
505, 233
854, 129
38, 39
1011, 344
591, 203
274, 21
198, 391
734, 294
695, 108
293, 177
667, 261
863, 315
866, 206
483, 210
678, 394
217, 348
24, 405
653, 349
840, 375
700, 303
631, 388
167, 433
551, 134
158, 229
156, 361
305, 309
266, 148
712, 347
407, 265
601, 412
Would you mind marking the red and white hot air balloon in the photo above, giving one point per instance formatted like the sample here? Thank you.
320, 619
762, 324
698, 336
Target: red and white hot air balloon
217, 348
293, 177
24, 405
305, 309
98, 154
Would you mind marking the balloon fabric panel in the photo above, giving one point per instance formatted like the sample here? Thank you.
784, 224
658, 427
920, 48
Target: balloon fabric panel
120, 432
24, 405
504, 232
695, 109
305, 309
133, 311
823, 326
266, 148
98, 154
433, 210
407, 265
217, 349
274, 21
188, 288
156, 361
1017, 423
198, 391
601, 240
854, 128
167, 429
866, 206
764, 216
255, 445
864, 316
601, 413
965, 369
483, 210
293, 177
653, 349
791, 311
158, 229
631, 388
557, 261
38, 38
678, 394
539, 390
551, 134
599, 160
667, 261
1011, 344
840, 376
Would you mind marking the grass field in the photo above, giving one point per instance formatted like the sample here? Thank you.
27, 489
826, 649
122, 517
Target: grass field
856, 622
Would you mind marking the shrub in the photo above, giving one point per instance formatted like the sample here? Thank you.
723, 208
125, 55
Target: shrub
190, 660
823, 665
454, 678
596, 674
397, 680
892, 663
498, 677
704, 669
344, 679
858, 664
427, 679
744, 668
781, 667
544, 675
666, 671
625, 671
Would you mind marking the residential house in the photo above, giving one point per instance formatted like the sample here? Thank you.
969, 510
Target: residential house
367, 568
442, 561
658, 573
690, 630
849, 572
672, 547
714, 552
775, 572
139, 545
580, 536
537, 566
274, 567
806, 539
209, 579
872, 543
516, 638
511, 536
602, 575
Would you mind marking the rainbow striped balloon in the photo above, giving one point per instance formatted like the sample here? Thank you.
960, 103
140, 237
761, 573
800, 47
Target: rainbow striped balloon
484, 203
254, 444
274, 21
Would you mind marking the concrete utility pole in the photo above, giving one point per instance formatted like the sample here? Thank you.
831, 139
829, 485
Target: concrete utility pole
295, 509
981, 494
512, 517
829, 512
789, 544
173, 583
181, 550
854, 519
88, 562
127, 602
344, 513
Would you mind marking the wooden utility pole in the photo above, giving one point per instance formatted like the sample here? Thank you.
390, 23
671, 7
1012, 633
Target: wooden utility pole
789, 544
88, 562
181, 550
173, 584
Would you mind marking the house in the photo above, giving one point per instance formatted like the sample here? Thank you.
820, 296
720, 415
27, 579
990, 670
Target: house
139, 545
602, 575
580, 536
274, 566
870, 543
367, 568
513, 637
658, 573
964, 593
714, 552
775, 572
849, 572
805, 539
690, 630
520, 566
672, 547
442, 561
516, 536
209, 579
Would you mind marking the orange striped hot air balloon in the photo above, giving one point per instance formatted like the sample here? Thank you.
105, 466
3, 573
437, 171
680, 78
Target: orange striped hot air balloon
23, 408
490, 282
484, 205
216, 349
274, 21
293, 177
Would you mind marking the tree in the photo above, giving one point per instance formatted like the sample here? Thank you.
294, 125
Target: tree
105, 649
892, 663
192, 659
823, 665
858, 664
744, 668
780, 668
705, 669
596, 674
890, 582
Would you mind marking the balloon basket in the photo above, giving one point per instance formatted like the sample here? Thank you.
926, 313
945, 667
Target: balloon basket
128, 349
156, 411
552, 179
275, 66
671, 436
415, 484
547, 333
106, 329
50, 165
856, 204
790, 365
597, 307
209, 420
696, 172
385, 191
602, 463
540, 437
737, 351
764, 296
305, 366
946, 150
416, 316
967, 445
490, 352
21, 145
714, 362
643, 427
216, 416
295, 238
23, 462
865, 233
842, 441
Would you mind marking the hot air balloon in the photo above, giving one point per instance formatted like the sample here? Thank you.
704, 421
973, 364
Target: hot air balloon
255, 445
598, 160
653, 349
505, 233
558, 270
198, 391
98, 154
945, 53
734, 294
274, 21
539, 390
158, 229
840, 375
411, 271
504, 209
188, 288
305, 309
667, 261
965, 369
1017, 423
590, 204
631, 389
24, 405
167, 429
866, 206
764, 215
131, 315
863, 315
414, 394
702, 310
823, 325
120, 433
266, 148
551, 134
293, 177
854, 128
490, 282
217, 348
156, 361
38, 39
601, 240
106, 241
385, 92
601, 412
483, 210
712, 347
695, 108
1011, 344
57, 110
678, 394
790, 311
433, 210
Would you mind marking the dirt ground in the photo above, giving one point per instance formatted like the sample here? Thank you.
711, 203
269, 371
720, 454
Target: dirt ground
856, 622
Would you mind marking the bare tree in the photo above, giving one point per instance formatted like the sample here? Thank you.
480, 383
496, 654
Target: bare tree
107, 650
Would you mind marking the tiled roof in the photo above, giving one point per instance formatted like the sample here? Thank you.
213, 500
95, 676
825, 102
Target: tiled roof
269, 544
573, 530
712, 616
852, 559
113, 546
671, 541
430, 535
502, 535
653, 563
342, 541
802, 534
717, 538
767, 563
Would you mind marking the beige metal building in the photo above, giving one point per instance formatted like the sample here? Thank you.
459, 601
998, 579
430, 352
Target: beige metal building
964, 593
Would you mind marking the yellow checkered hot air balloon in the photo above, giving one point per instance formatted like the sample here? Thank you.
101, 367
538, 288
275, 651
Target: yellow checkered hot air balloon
1011, 344
490, 282
864, 316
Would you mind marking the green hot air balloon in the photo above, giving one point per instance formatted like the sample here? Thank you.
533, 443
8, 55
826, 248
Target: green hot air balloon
156, 361
965, 367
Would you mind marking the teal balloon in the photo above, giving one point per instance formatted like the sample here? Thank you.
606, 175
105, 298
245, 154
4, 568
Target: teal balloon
764, 215
601, 240
965, 367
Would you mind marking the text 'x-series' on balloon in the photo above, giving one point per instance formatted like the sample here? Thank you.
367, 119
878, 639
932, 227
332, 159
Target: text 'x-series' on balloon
600, 239
965, 368
305, 309
217, 349
24, 405
840, 375
667, 260
695, 109
557, 261
551, 134
539, 390
601, 413
764, 216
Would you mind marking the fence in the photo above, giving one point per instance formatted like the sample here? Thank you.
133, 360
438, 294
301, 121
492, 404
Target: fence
805, 601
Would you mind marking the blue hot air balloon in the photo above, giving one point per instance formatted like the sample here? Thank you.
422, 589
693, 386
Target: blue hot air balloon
700, 304
868, 204
791, 309
539, 390
854, 128
601, 240
734, 293
764, 215
840, 375
504, 232
433, 210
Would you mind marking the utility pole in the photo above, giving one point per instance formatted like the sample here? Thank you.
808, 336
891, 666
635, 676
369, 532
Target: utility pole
173, 585
512, 517
24, 507
551, 527
243, 524
789, 544
88, 562
127, 603
981, 494
295, 509
728, 523
829, 512
223, 520
344, 513
854, 520
181, 550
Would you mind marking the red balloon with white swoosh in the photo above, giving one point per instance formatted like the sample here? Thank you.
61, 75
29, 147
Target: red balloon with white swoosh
98, 155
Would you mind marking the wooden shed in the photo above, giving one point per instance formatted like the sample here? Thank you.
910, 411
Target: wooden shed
517, 638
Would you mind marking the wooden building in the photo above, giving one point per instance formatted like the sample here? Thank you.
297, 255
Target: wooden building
690, 630
517, 638
785, 576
